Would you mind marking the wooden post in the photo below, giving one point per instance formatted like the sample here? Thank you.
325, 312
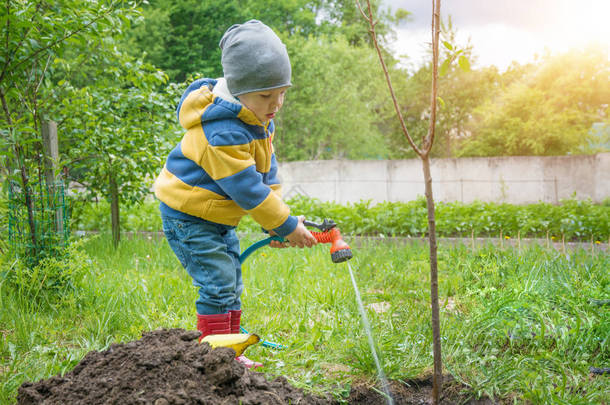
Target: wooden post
51, 158
114, 211
472, 238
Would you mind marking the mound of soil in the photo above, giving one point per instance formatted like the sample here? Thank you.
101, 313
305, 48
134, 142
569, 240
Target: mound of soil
169, 367
163, 367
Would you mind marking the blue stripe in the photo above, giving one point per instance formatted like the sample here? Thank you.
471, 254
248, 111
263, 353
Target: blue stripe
196, 85
224, 134
190, 172
287, 227
231, 132
245, 188
256, 131
223, 108
271, 176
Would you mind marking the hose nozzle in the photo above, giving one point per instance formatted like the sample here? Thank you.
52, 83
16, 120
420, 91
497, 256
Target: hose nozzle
339, 250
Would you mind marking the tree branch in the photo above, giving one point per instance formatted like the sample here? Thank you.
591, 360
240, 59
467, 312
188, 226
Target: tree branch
44, 71
429, 141
369, 19
24, 175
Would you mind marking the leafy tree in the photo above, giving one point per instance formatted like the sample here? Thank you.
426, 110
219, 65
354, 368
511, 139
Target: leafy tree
34, 35
344, 18
331, 110
549, 111
190, 43
292, 17
461, 90
182, 38
117, 125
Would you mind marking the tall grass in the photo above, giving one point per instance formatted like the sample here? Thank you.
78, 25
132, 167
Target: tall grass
514, 326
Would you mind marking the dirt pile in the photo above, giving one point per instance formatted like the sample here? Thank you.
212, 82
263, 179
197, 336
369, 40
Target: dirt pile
163, 367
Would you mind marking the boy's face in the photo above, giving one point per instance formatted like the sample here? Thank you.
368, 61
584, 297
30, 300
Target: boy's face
264, 104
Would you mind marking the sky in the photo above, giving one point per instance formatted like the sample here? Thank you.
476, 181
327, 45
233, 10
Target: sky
502, 31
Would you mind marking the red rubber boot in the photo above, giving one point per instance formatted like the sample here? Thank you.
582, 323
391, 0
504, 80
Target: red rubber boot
217, 324
235, 320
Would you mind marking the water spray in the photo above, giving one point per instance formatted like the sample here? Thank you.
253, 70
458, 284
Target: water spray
339, 252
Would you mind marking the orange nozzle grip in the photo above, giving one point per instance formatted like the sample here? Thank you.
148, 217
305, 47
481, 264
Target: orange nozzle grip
332, 236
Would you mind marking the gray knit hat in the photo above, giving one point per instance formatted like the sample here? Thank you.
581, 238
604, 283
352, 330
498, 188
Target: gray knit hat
254, 58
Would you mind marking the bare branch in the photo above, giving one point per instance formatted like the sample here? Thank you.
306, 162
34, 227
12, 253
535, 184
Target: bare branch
387, 76
362, 11
429, 141
44, 71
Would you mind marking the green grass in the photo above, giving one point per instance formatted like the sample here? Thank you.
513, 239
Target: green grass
514, 326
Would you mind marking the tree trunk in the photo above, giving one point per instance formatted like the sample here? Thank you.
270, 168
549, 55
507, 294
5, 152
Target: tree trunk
436, 330
114, 211
424, 154
20, 161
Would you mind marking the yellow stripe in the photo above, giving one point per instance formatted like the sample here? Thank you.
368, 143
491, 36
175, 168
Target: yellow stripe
248, 116
223, 161
193, 144
193, 107
196, 201
271, 213
277, 189
224, 212
181, 196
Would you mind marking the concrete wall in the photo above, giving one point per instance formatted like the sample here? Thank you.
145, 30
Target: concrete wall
515, 179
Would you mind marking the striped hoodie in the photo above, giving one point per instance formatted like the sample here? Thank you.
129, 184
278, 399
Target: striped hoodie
224, 167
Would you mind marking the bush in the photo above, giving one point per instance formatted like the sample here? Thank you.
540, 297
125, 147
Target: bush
572, 219
52, 279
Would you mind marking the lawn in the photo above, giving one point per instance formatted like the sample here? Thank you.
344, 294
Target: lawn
522, 326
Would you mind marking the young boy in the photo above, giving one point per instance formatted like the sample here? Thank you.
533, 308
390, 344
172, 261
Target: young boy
224, 168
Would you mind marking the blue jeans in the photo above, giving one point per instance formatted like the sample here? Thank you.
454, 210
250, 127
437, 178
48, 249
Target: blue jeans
210, 254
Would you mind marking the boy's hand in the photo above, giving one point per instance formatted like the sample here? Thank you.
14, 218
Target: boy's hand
301, 237
276, 243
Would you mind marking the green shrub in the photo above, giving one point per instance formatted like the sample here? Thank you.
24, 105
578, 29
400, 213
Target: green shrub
572, 219
52, 279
